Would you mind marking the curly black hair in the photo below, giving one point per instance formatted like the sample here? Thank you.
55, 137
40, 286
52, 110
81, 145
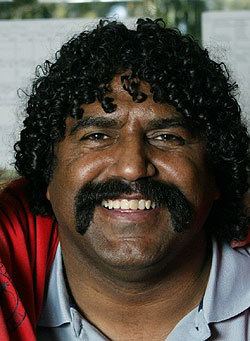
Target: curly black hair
179, 73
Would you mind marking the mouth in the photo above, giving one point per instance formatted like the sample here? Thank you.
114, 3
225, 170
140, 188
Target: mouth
128, 204
136, 210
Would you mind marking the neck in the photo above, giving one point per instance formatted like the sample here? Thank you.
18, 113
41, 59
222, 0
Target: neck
150, 307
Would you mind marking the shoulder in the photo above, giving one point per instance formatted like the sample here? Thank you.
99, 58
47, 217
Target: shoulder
28, 245
22, 232
228, 291
14, 196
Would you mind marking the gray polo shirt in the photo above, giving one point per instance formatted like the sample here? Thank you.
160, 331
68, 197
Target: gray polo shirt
222, 315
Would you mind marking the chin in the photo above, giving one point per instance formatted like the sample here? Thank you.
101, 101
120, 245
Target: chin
131, 255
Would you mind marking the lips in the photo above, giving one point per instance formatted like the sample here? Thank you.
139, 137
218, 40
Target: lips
128, 204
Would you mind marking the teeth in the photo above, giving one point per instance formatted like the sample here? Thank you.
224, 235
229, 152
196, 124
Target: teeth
133, 204
110, 204
125, 204
105, 203
116, 204
141, 205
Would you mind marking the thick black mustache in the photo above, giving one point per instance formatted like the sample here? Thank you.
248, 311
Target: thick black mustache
163, 194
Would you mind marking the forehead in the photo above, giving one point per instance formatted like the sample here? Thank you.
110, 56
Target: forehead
146, 110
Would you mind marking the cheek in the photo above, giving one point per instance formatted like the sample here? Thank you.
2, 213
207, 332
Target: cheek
69, 176
193, 179
190, 175
76, 170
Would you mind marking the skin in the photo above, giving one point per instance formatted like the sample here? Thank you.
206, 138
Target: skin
143, 276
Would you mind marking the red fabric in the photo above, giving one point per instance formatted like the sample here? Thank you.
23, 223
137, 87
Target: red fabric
27, 249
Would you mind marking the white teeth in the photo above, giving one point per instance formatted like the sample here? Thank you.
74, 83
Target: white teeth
110, 204
105, 203
125, 204
141, 205
116, 204
133, 204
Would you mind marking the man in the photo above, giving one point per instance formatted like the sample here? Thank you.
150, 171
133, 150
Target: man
134, 145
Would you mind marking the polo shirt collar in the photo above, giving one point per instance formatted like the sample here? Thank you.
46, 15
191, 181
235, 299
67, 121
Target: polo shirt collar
56, 308
227, 293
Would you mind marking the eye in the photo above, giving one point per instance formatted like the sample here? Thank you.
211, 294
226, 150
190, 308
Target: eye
170, 138
95, 137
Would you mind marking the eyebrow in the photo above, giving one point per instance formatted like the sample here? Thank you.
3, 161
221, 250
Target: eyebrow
104, 122
100, 122
164, 123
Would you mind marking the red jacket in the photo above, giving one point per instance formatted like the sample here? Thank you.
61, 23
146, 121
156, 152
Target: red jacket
27, 249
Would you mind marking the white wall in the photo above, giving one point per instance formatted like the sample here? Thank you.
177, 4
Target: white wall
226, 35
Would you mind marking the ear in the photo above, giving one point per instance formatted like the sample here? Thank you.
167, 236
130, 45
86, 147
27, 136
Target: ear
48, 194
241, 243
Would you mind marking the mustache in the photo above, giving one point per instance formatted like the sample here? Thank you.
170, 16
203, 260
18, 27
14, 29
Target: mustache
162, 193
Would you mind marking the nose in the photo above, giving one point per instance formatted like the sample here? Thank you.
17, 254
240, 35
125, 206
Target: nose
132, 162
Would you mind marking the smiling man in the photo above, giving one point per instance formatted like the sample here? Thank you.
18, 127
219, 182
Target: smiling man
133, 145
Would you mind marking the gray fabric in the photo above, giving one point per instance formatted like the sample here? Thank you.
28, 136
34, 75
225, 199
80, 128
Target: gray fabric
223, 314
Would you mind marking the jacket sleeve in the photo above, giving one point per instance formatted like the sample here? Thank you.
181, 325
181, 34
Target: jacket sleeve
28, 245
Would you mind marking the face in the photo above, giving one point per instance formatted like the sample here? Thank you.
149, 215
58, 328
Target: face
138, 142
